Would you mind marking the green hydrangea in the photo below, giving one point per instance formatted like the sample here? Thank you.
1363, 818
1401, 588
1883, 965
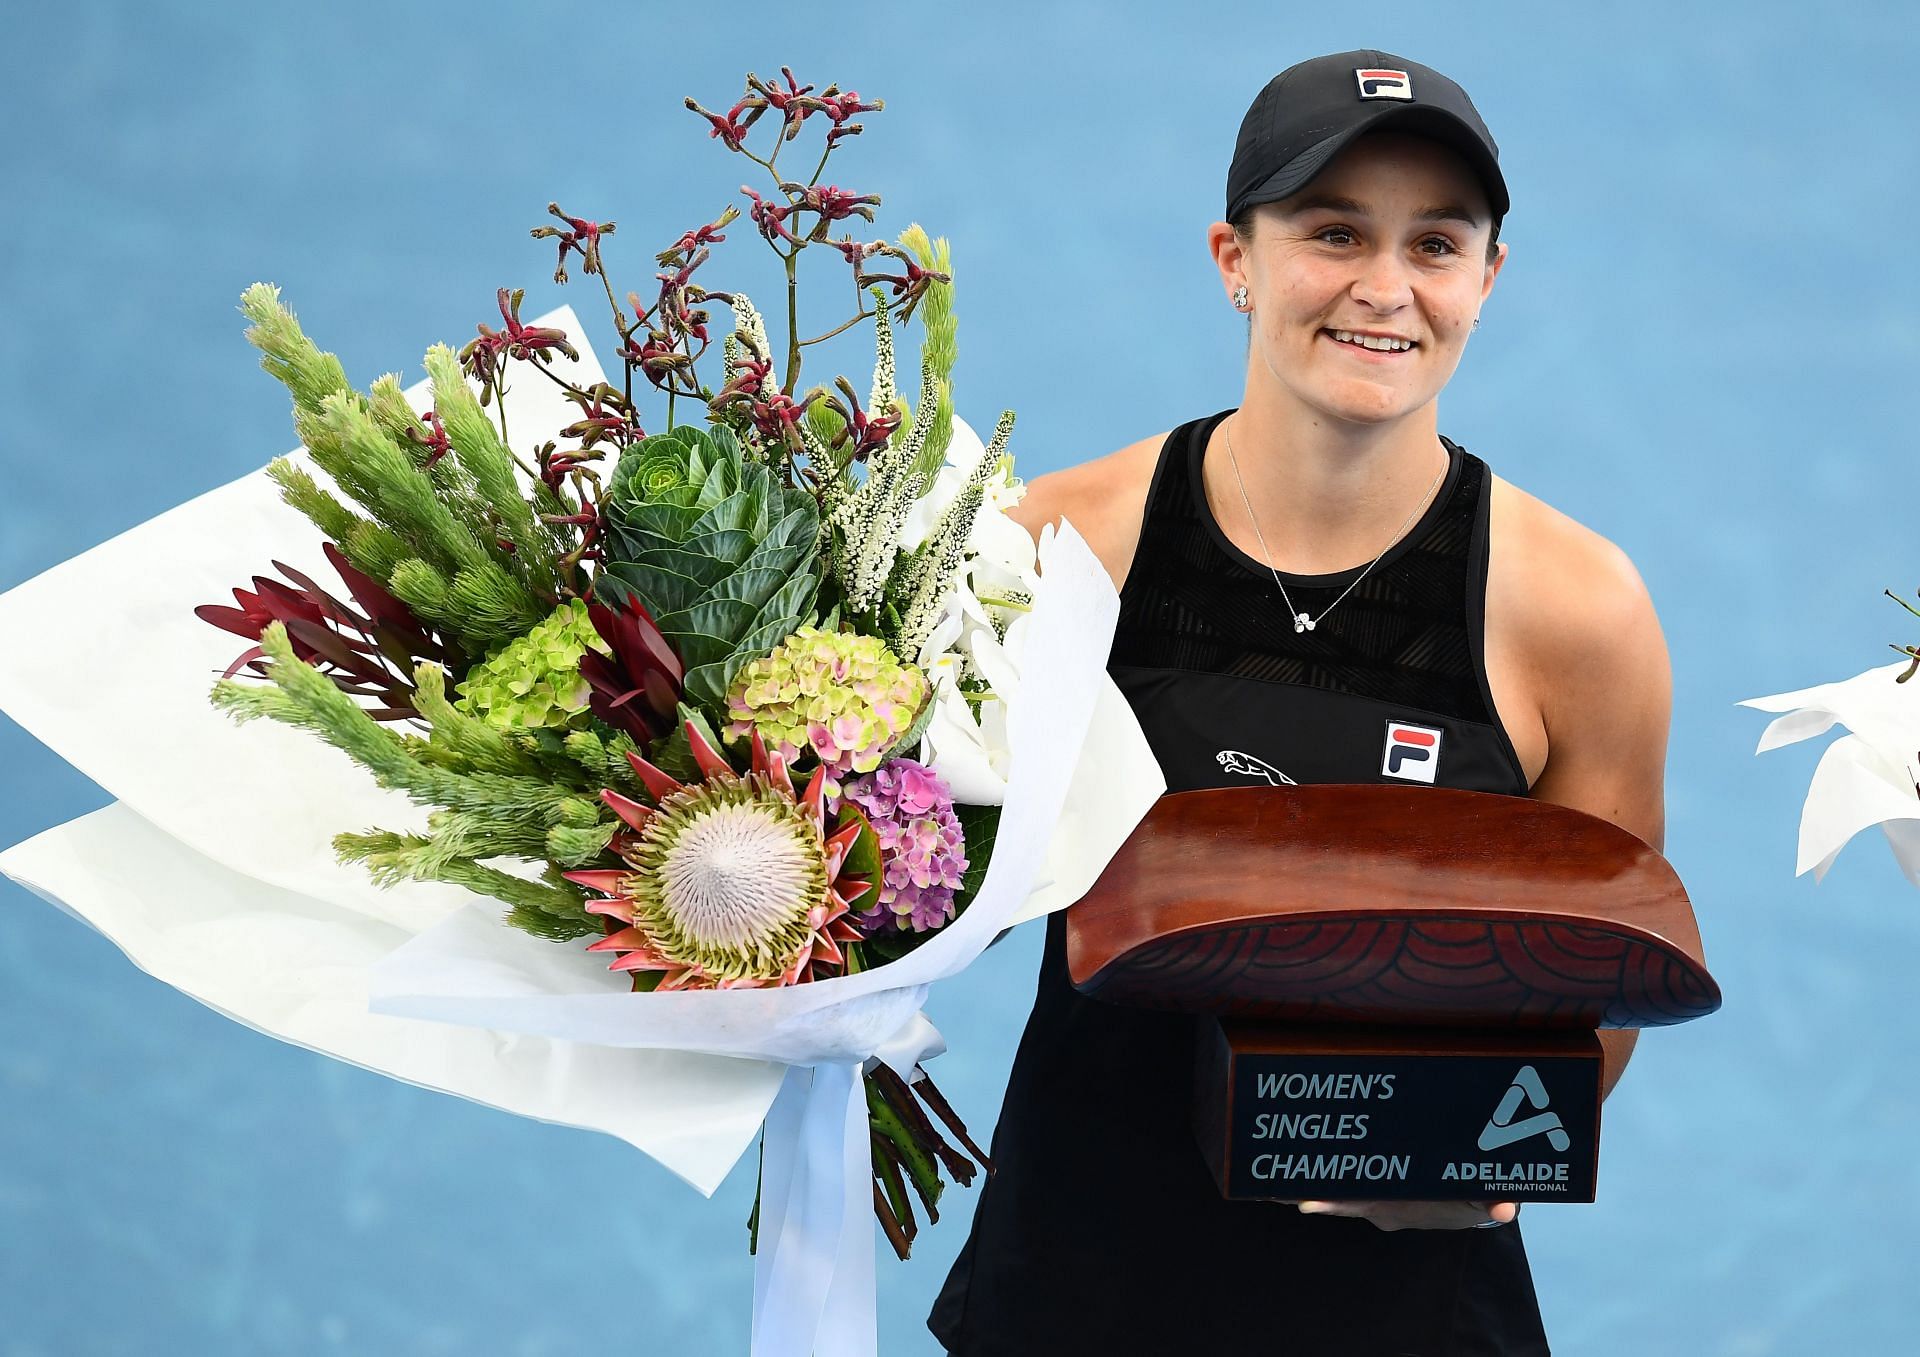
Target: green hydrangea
841, 696
535, 681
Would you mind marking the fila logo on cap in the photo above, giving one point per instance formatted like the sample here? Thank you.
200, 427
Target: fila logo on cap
1413, 752
1383, 84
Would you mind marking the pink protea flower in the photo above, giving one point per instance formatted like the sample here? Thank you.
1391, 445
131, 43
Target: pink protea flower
730, 882
922, 846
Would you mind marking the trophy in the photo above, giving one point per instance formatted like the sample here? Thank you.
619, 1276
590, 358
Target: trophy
1398, 989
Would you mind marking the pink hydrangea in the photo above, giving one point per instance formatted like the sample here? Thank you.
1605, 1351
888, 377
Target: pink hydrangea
922, 847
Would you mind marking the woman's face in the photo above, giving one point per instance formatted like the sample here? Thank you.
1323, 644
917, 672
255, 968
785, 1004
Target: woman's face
1390, 239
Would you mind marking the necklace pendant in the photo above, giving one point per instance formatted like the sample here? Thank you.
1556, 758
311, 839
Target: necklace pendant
1301, 622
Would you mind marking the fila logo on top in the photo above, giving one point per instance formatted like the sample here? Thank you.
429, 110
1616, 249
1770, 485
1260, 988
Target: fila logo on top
1383, 84
1413, 752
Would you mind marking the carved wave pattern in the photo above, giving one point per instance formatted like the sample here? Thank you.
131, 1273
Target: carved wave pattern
1432, 970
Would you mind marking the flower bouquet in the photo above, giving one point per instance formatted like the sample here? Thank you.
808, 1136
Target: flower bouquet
1867, 777
680, 761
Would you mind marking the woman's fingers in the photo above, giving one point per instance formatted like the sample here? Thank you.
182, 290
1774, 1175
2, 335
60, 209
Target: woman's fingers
1416, 1215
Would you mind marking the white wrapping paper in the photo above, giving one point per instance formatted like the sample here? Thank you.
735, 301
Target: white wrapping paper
214, 872
1865, 777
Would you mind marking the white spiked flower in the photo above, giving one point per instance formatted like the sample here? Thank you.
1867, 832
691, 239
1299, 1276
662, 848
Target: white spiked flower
747, 321
880, 398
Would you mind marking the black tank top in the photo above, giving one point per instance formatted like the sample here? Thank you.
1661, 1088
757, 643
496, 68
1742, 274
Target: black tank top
1102, 1230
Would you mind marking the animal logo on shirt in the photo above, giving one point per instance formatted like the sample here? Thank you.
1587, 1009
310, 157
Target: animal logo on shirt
1246, 765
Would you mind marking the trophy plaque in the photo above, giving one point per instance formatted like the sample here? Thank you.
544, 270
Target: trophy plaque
1398, 989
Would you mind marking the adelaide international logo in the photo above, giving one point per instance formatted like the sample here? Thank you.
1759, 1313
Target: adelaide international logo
1502, 1129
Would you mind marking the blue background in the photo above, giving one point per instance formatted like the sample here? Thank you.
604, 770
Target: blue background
1702, 346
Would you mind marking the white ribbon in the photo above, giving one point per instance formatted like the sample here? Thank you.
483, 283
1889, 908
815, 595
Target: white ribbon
814, 1291
814, 1286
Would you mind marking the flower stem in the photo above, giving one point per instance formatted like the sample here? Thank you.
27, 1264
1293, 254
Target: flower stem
759, 1180
888, 1222
793, 320
899, 1095
864, 315
929, 1094
886, 1172
913, 1156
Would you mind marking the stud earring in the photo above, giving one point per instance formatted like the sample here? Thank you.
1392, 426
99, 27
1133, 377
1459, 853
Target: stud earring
1240, 298
1476, 322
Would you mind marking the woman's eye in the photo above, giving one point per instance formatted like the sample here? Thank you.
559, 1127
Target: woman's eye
1446, 246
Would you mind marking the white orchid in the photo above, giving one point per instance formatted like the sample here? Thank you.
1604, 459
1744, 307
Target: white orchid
972, 654
1865, 777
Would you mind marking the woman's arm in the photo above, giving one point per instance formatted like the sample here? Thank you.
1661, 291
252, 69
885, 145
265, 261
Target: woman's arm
1607, 703
1607, 693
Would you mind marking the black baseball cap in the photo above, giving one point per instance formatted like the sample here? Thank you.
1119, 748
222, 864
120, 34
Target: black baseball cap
1310, 111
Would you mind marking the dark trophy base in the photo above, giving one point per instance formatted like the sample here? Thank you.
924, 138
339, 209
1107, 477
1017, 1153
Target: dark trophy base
1382, 1114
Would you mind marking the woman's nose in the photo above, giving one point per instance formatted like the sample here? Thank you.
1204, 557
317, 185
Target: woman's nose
1383, 282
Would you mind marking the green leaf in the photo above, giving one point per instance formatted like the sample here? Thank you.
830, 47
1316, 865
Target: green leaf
863, 859
784, 561
705, 632
707, 684
729, 546
885, 947
792, 600
755, 585
673, 754
980, 825
904, 746
797, 528
658, 519
702, 568
658, 591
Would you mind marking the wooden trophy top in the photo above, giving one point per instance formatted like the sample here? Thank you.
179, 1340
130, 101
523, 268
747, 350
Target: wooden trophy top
1365, 903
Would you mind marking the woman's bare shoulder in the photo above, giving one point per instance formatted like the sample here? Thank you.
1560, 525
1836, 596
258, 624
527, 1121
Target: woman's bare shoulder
1104, 498
1559, 581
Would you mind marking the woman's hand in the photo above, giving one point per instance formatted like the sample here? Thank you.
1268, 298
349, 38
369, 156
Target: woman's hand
1418, 1215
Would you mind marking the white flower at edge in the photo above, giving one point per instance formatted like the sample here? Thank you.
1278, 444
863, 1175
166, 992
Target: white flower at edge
1865, 777
977, 635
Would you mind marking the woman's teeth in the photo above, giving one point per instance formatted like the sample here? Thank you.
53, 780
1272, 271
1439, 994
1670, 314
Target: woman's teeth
1381, 343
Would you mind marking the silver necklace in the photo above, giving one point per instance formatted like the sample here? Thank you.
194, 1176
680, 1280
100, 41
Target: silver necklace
1301, 622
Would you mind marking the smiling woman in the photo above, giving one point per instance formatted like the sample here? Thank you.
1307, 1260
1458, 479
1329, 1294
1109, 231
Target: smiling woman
1389, 261
1303, 577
